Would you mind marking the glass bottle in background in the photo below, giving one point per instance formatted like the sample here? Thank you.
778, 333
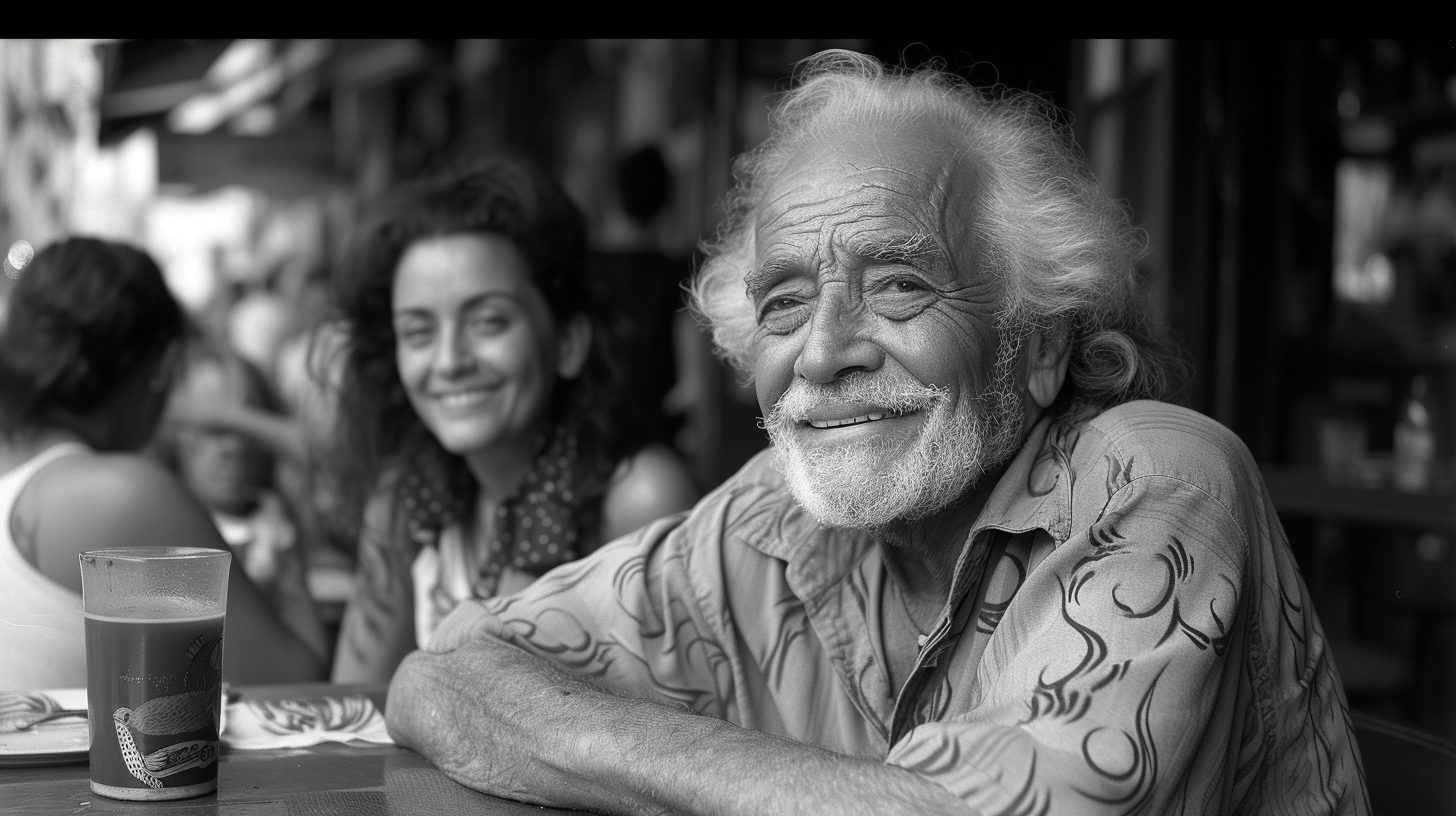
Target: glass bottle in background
1415, 439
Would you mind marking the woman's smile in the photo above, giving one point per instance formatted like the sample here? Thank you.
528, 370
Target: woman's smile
465, 399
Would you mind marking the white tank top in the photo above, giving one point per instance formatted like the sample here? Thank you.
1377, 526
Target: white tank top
42, 624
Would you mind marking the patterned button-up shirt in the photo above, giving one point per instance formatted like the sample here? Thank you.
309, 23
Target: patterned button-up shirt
1143, 642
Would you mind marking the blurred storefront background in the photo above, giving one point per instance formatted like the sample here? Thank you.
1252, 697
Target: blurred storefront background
1299, 199
242, 165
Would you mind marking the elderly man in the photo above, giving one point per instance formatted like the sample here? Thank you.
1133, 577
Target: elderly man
979, 571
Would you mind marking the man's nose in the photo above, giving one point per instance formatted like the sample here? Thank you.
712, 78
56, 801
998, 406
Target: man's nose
835, 344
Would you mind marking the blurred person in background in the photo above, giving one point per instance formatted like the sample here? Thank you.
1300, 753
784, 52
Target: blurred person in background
297, 431
269, 308
87, 355
294, 428
232, 474
487, 439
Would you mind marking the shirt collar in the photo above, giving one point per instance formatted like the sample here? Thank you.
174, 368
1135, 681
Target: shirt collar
1035, 492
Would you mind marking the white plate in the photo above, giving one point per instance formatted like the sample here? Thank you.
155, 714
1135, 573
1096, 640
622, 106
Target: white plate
57, 742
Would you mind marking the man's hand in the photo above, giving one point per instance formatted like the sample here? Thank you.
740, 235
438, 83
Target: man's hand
503, 721
489, 716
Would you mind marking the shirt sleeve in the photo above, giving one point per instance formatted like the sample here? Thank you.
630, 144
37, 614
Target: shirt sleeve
1106, 679
628, 618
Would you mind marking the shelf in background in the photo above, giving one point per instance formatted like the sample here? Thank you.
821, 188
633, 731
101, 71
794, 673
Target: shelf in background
1306, 491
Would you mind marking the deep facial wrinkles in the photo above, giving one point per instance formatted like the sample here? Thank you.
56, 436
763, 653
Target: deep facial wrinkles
946, 195
965, 307
975, 299
973, 333
974, 295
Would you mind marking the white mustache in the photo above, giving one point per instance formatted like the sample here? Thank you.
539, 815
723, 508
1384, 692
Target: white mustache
896, 397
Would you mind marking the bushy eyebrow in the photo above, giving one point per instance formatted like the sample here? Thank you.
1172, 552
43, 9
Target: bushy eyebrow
760, 278
916, 249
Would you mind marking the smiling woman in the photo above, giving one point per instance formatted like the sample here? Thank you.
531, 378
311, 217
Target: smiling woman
486, 437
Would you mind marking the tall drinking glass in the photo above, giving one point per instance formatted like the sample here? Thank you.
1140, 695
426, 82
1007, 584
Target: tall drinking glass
154, 620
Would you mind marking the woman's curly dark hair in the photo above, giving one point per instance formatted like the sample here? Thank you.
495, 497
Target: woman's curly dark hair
378, 427
84, 318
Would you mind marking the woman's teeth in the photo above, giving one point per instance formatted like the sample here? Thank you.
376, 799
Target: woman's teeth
839, 423
462, 398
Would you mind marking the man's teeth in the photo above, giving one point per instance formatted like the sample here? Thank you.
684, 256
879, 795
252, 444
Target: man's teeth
839, 423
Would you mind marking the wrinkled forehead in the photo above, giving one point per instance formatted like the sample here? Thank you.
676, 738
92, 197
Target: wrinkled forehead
915, 177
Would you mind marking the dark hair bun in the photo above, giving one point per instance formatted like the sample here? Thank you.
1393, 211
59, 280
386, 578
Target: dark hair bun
84, 316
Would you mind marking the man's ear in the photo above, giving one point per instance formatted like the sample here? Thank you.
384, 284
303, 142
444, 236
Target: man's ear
572, 346
1048, 353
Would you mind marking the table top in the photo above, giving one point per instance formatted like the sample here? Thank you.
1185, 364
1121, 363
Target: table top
321, 780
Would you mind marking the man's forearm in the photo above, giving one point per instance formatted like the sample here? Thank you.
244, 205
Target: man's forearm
500, 720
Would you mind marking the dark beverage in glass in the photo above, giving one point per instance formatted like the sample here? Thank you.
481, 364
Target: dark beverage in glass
155, 710
154, 633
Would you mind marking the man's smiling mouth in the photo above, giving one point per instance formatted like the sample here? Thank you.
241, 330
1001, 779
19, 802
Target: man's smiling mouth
859, 420
873, 416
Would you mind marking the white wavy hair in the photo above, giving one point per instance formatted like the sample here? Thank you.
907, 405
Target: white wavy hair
1064, 253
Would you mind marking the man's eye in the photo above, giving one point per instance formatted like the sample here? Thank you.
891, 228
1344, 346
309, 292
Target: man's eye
905, 286
902, 298
781, 315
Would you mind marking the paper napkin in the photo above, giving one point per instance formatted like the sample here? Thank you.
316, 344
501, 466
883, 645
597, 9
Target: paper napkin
296, 723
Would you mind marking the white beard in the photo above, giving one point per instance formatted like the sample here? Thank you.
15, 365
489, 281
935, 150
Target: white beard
868, 484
